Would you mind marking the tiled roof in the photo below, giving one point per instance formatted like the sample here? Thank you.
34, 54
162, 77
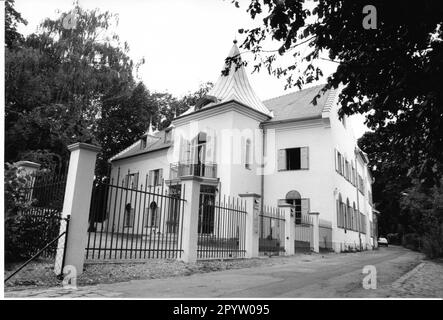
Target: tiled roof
299, 104
155, 142
235, 86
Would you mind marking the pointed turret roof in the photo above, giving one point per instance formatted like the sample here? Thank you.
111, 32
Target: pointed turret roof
235, 86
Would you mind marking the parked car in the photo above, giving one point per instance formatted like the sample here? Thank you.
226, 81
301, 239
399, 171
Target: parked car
382, 242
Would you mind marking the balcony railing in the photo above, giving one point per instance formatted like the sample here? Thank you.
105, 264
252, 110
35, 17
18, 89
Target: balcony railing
207, 170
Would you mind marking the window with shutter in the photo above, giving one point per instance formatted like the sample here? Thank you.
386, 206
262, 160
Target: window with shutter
304, 155
136, 180
281, 159
293, 158
339, 163
336, 159
160, 176
151, 178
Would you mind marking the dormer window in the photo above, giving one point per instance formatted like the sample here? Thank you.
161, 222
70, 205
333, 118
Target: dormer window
143, 142
168, 135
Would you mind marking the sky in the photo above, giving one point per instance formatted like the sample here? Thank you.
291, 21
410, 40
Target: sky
184, 43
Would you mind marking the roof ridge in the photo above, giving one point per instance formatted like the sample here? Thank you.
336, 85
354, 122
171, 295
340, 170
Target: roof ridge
124, 150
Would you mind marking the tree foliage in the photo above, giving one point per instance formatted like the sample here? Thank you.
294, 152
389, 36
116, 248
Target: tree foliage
73, 80
393, 73
65, 85
12, 19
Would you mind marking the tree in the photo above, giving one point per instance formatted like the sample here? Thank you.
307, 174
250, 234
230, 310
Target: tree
390, 180
392, 73
12, 19
123, 120
62, 80
170, 107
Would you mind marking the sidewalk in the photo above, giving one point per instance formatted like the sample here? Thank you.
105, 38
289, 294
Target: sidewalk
425, 281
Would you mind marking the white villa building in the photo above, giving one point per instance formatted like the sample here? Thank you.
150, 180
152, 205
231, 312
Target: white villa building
285, 149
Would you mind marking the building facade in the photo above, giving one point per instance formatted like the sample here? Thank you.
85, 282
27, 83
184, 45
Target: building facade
288, 150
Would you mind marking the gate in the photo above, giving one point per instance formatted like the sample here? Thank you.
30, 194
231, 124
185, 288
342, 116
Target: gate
325, 235
221, 226
303, 233
32, 236
272, 232
129, 221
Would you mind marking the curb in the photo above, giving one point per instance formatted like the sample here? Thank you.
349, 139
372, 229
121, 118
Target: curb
407, 275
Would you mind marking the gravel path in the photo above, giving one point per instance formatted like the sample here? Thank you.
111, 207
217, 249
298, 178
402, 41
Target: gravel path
40, 275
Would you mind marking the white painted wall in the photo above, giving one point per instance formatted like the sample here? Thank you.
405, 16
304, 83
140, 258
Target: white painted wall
344, 141
230, 127
320, 183
313, 183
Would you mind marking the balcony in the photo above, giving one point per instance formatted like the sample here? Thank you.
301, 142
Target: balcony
206, 170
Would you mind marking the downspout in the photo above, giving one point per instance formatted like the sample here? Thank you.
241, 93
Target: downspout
262, 169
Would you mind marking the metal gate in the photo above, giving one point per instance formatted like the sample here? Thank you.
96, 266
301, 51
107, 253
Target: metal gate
303, 233
37, 229
132, 221
272, 232
221, 226
325, 235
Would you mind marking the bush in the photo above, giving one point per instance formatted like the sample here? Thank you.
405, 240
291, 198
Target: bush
16, 182
433, 242
394, 238
412, 241
25, 235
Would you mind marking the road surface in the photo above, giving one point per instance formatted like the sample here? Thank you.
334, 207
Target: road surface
305, 276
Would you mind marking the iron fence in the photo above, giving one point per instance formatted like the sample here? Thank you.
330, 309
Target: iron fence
272, 231
221, 226
132, 221
45, 192
32, 235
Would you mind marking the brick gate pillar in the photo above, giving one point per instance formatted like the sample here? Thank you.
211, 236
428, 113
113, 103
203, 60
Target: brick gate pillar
315, 232
252, 204
76, 204
289, 214
189, 230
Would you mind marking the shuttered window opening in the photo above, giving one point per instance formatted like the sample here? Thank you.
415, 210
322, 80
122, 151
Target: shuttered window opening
293, 159
155, 178
131, 181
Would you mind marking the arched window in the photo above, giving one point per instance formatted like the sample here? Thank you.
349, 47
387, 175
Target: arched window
128, 215
153, 214
354, 217
293, 197
340, 218
248, 154
348, 214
